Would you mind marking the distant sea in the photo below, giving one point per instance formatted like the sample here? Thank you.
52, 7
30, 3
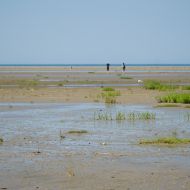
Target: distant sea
94, 65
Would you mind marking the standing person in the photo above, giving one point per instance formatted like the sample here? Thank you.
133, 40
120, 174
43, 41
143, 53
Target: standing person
123, 67
108, 66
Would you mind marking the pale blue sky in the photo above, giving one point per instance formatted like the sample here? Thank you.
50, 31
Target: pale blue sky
94, 31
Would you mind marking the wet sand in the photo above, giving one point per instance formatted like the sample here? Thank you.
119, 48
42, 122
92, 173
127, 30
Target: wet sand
54, 83
107, 158
73, 95
33, 156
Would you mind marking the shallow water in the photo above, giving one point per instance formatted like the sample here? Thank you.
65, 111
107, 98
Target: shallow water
109, 149
41, 124
95, 85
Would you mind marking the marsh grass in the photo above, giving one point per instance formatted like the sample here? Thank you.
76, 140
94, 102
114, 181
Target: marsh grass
108, 89
103, 116
27, 82
175, 98
125, 77
109, 117
122, 116
22, 83
60, 84
156, 85
109, 95
185, 87
141, 116
166, 140
77, 132
110, 100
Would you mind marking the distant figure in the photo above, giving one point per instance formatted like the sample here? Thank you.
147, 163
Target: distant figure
108, 66
123, 67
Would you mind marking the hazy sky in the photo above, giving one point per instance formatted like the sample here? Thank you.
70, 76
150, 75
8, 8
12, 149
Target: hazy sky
94, 31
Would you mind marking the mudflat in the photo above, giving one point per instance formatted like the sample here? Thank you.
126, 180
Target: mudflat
58, 132
83, 84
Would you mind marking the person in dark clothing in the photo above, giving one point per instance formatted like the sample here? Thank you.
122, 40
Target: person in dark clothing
108, 66
123, 67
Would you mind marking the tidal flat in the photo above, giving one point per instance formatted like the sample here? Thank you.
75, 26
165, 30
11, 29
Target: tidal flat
107, 155
58, 131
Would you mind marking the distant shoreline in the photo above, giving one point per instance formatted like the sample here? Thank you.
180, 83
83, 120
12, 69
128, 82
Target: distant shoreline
94, 65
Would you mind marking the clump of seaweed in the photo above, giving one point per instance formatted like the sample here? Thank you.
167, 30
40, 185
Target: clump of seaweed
166, 140
1, 140
77, 132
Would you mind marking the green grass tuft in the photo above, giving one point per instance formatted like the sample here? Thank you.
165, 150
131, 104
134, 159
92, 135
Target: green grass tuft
110, 100
156, 85
175, 98
141, 116
185, 87
125, 77
60, 84
103, 116
120, 116
109, 95
166, 140
108, 89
